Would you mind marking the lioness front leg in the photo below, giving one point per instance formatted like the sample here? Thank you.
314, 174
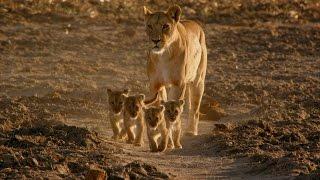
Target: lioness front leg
196, 92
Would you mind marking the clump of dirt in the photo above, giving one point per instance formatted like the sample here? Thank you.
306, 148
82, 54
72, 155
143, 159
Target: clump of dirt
136, 170
211, 110
35, 144
282, 147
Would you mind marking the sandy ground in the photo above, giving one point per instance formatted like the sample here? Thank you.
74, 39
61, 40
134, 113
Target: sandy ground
253, 72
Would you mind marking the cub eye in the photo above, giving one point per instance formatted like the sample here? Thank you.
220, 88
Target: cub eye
149, 27
176, 111
165, 27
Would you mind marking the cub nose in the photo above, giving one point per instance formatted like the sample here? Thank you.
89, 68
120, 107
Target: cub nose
156, 41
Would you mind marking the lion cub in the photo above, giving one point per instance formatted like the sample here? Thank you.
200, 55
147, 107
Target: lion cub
133, 118
116, 101
156, 127
172, 114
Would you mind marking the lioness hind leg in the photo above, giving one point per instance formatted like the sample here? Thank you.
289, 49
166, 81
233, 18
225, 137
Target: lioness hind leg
196, 92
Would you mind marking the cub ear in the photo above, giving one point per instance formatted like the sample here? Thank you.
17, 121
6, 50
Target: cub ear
161, 108
124, 96
174, 12
141, 97
126, 91
109, 91
181, 102
162, 102
147, 12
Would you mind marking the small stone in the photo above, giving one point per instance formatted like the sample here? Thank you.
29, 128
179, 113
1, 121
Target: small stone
35, 162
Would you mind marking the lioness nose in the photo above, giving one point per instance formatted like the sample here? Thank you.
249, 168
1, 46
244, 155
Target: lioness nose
156, 41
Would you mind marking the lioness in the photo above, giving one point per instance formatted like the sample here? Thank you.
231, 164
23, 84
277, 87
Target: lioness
156, 128
116, 100
177, 59
172, 114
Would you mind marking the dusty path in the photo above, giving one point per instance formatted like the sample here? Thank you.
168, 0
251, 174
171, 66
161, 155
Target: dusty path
195, 161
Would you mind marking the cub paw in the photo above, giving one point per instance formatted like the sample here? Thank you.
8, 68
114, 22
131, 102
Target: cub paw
129, 141
178, 146
115, 137
139, 144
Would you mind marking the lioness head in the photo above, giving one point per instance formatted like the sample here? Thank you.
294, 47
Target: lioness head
160, 26
134, 104
116, 99
153, 115
173, 109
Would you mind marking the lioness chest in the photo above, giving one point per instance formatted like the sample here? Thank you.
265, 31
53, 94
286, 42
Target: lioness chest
171, 70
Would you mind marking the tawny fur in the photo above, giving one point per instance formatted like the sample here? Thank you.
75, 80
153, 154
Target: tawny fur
156, 128
172, 114
115, 113
177, 59
133, 117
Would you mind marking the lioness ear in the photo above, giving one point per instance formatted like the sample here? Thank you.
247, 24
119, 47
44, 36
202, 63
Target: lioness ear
146, 11
181, 102
141, 97
174, 12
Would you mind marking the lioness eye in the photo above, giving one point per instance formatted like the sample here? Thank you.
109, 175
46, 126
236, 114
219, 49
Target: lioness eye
165, 26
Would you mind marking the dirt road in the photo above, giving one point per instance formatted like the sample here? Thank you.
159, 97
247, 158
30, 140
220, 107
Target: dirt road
253, 71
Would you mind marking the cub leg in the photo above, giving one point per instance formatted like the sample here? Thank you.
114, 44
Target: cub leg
123, 134
152, 142
164, 141
176, 138
170, 142
139, 131
115, 129
130, 133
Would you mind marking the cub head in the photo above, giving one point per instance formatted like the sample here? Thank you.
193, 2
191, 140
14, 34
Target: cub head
116, 99
153, 115
173, 109
134, 104
160, 26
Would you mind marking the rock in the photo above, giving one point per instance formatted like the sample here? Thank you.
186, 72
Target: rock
62, 169
96, 174
35, 162
222, 127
